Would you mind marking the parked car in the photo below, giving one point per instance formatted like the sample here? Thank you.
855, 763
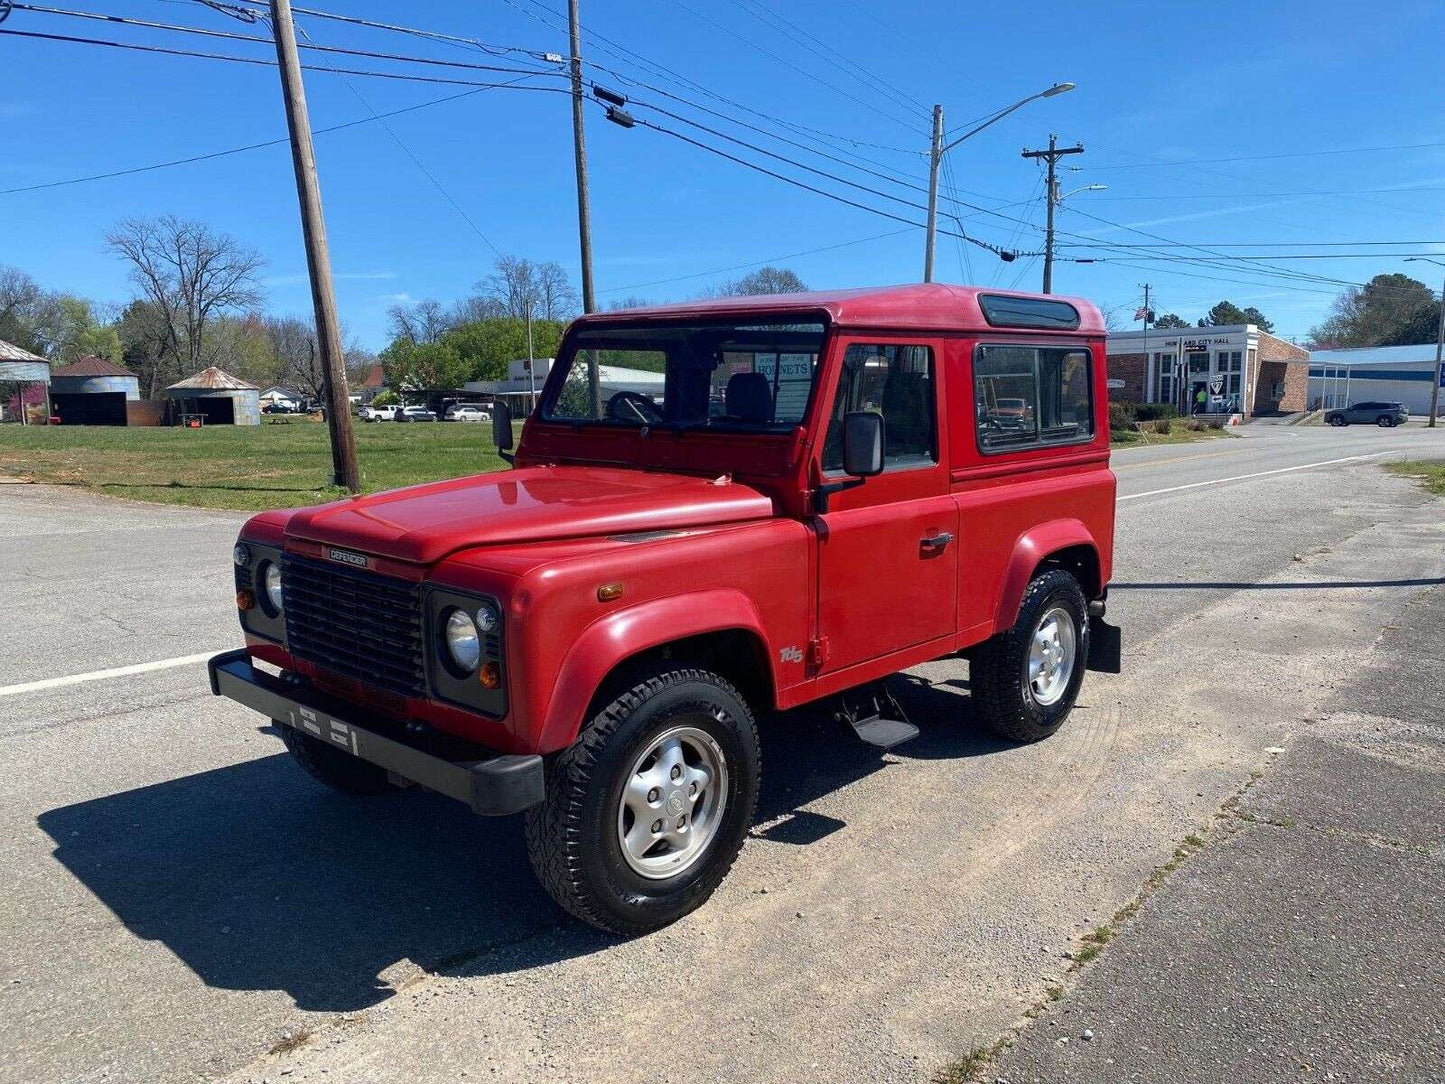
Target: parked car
1382, 414
593, 637
378, 413
467, 412
415, 414
281, 406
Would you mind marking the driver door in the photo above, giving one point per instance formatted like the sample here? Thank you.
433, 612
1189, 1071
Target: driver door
888, 549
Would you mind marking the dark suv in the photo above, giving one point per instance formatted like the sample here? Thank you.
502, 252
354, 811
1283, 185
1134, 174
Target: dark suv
1385, 415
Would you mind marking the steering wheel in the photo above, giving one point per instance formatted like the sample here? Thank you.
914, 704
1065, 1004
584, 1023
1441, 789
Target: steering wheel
632, 406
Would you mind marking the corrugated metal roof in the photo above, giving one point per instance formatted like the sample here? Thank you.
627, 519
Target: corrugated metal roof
1375, 355
11, 352
212, 379
90, 365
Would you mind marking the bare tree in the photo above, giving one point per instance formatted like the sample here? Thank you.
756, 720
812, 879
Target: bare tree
190, 275
518, 283
765, 280
293, 341
472, 309
420, 322
553, 295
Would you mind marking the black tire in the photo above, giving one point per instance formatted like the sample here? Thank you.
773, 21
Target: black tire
572, 836
338, 770
1002, 698
1337, 420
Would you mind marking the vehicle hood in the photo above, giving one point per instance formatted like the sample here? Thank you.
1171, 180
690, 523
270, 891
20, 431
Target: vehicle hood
426, 523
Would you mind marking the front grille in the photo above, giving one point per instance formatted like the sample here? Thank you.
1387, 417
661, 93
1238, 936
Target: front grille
355, 622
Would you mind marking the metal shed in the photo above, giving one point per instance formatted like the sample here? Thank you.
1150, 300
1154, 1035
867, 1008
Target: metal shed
217, 398
24, 383
93, 391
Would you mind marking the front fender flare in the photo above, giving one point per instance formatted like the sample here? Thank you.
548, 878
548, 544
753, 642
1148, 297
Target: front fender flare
1031, 549
618, 636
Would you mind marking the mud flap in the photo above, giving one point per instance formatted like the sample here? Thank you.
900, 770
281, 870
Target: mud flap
1105, 647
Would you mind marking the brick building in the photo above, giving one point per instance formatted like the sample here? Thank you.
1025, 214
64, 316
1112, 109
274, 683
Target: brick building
1240, 369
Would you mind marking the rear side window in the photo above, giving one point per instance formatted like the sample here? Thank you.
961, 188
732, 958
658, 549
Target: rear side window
897, 382
1032, 396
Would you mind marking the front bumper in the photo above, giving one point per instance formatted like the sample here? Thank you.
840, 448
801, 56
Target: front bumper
492, 786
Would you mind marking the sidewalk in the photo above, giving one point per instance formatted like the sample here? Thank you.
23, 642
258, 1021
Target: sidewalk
1306, 939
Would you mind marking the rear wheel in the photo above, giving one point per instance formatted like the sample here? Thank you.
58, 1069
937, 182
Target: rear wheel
338, 770
647, 810
1385, 421
1025, 680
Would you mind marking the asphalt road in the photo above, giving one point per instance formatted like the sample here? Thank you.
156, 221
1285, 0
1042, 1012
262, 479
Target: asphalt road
180, 899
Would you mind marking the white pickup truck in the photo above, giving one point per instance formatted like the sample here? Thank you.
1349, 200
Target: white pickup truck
378, 413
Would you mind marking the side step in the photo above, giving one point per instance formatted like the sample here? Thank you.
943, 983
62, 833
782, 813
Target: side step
875, 717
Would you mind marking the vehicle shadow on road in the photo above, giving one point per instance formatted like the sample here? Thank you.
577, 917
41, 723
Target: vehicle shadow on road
1311, 585
257, 878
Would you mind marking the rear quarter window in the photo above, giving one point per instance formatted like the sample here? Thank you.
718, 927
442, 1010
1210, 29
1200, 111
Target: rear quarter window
1032, 396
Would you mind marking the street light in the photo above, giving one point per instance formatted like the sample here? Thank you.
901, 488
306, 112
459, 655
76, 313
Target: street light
1085, 188
939, 149
1439, 341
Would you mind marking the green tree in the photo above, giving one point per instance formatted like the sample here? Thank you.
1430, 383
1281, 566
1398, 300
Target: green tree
1386, 310
487, 346
1227, 313
424, 365
1169, 321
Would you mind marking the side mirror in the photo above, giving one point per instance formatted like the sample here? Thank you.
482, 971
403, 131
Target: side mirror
502, 429
862, 443
863, 439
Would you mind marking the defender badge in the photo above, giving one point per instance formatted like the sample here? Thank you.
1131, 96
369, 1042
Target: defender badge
346, 558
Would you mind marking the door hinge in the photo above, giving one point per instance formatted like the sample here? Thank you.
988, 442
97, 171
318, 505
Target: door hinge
818, 651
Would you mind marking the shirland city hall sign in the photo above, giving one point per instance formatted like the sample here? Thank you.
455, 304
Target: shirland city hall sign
1203, 342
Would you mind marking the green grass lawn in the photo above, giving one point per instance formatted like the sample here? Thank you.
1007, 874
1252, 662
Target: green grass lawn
272, 465
1431, 472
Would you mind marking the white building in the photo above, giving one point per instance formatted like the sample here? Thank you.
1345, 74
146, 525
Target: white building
1391, 374
520, 388
1238, 369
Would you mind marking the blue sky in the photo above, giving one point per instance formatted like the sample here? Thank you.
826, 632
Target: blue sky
1158, 83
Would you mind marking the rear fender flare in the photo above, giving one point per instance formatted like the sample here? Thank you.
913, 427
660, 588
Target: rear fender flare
1031, 550
621, 635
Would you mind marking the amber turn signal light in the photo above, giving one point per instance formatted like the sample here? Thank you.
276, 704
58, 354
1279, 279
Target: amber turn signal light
609, 591
489, 676
245, 600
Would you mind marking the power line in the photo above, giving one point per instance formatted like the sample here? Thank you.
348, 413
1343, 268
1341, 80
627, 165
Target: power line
169, 51
792, 162
148, 24
801, 71
771, 19
758, 263
1163, 162
1271, 244
803, 184
240, 150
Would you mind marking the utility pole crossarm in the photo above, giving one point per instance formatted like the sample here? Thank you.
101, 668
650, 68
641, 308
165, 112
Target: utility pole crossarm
1052, 156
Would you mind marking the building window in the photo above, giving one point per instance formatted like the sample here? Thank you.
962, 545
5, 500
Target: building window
1027, 396
1198, 363
1164, 382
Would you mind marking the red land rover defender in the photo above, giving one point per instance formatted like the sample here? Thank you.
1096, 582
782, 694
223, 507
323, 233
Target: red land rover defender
719, 510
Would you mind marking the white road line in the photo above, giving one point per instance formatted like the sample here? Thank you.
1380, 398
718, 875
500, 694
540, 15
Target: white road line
1242, 477
97, 675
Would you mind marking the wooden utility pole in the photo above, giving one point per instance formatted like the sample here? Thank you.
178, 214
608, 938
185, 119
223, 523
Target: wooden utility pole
1052, 155
318, 258
935, 157
584, 208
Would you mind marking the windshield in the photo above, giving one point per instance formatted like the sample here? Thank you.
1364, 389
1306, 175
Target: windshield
748, 377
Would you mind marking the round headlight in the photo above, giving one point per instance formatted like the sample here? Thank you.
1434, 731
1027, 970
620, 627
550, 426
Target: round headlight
464, 645
241, 555
487, 619
271, 581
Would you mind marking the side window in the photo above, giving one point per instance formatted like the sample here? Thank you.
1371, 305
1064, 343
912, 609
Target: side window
897, 382
1030, 396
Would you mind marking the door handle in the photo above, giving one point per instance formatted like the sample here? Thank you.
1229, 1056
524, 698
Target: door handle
936, 542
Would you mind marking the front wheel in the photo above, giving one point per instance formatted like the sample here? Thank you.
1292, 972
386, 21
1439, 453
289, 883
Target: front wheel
1025, 680
647, 810
338, 770
1337, 420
